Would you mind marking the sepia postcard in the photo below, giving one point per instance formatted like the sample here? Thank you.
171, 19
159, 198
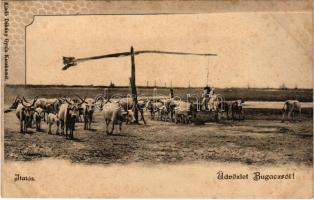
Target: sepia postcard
157, 99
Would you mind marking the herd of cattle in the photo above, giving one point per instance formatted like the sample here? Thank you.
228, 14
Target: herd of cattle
64, 113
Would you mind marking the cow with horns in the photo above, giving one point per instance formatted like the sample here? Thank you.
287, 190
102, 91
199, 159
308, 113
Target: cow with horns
24, 112
14, 105
49, 105
67, 116
113, 114
88, 108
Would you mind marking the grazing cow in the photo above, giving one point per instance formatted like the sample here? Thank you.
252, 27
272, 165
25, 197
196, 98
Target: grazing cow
88, 108
113, 114
67, 115
237, 110
291, 106
38, 115
24, 113
53, 119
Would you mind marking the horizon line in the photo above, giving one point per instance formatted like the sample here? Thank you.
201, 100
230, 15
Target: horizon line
153, 86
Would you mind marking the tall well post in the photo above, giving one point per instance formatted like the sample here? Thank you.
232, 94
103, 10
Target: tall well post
133, 86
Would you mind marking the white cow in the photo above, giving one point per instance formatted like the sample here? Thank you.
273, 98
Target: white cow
53, 119
113, 114
182, 112
38, 115
68, 114
24, 112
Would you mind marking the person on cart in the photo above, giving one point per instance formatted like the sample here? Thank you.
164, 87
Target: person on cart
206, 96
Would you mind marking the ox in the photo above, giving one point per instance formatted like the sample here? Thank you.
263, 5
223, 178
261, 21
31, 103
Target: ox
53, 105
291, 106
182, 112
88, 108
48, 106
38, 115
25, 112
53, 119
67, 115
127, 105
113, 114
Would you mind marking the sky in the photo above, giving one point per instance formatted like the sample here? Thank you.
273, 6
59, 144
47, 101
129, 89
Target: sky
254, 49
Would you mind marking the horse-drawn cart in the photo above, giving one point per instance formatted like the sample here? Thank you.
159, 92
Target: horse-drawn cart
212, 112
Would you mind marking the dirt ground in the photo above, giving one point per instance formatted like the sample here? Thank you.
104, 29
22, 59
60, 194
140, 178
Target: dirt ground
258, 142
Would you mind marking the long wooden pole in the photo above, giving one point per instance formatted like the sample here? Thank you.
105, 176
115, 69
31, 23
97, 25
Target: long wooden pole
72, 61
133, 86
